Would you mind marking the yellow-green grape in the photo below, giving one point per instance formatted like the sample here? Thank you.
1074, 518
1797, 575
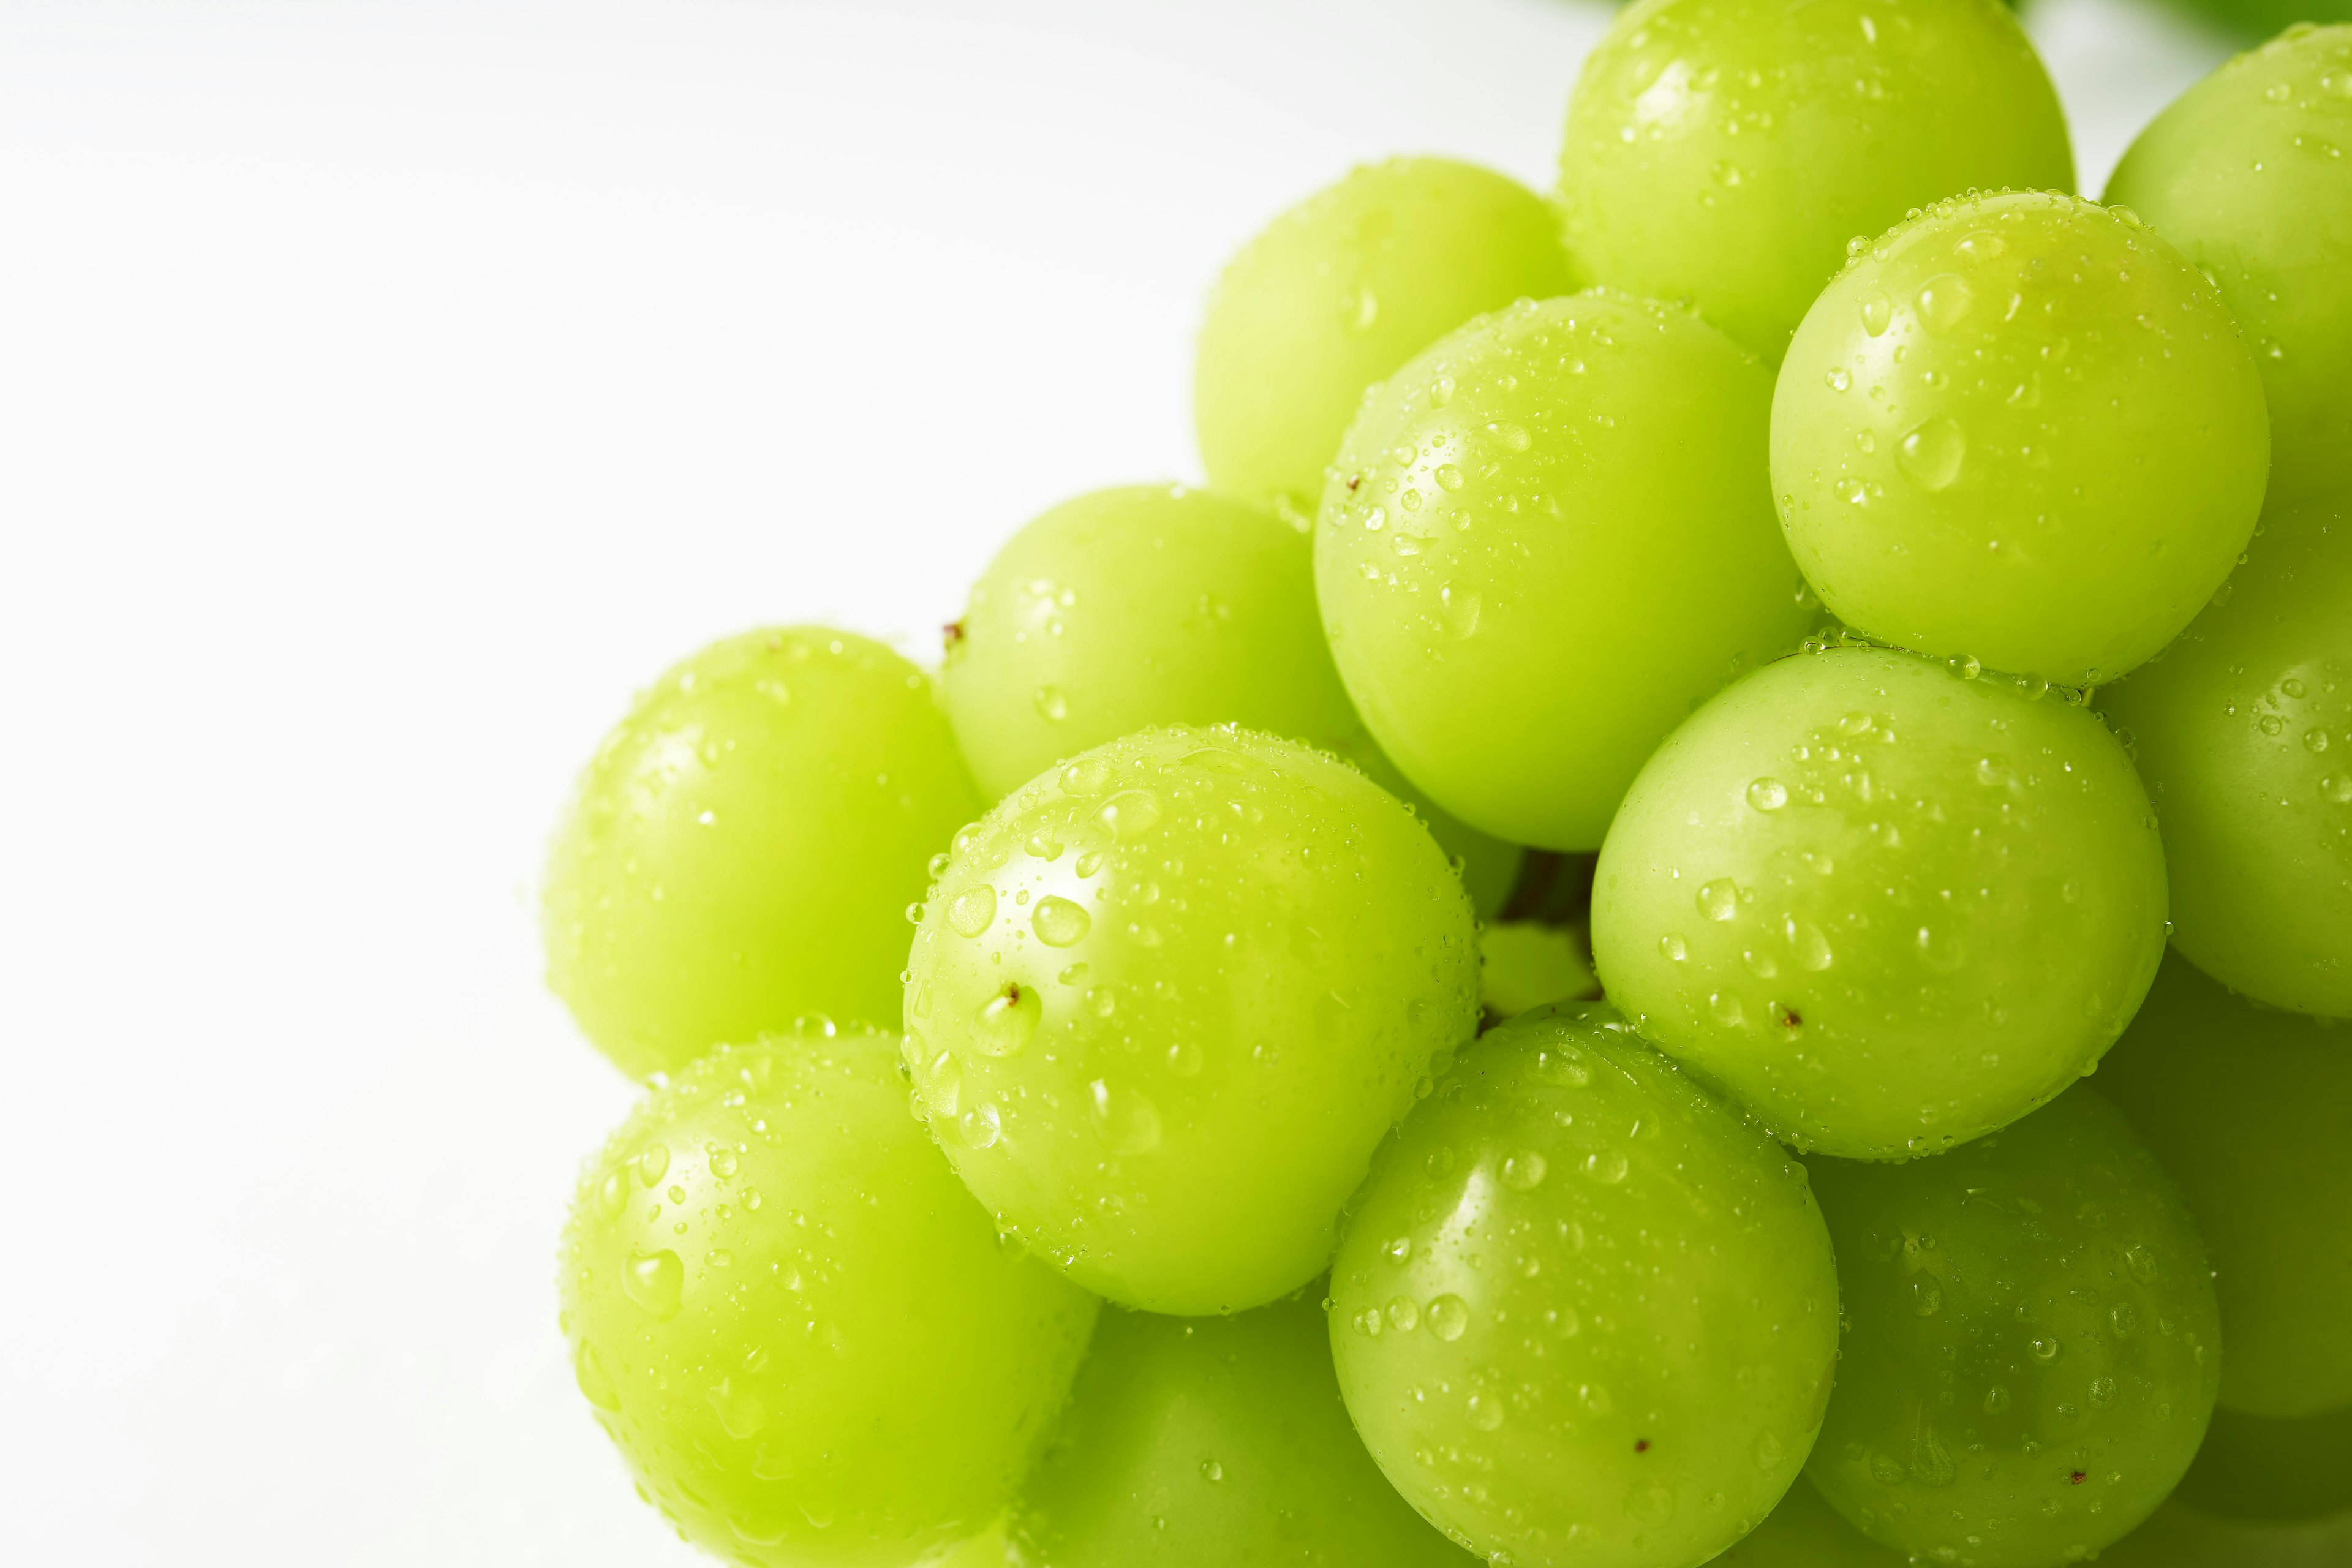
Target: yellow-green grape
1341, 290
2019, 429
1545, 540
1583, 1313
1165, 1001
2246, 172
2243, 730
805, 1337
1526, 963
2251, 1111
1216, 1443
1724, 151
1806, 1532
1154, 605
1888, 907
2253, 1466
2180, 1537
742, 849
2032, 1344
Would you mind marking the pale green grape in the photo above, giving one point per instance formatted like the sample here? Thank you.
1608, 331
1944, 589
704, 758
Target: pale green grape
1723, 150
2251, 1111
2244, 735
1216, 1441
1164, 1002
1526, 963
2032, 1344
743, 847
1341, 290
2253, 1466
2019, 429
1547, 537
2246, 173
1154, 605
1806, 1532
804, 1334
1888, 907
1583, 1313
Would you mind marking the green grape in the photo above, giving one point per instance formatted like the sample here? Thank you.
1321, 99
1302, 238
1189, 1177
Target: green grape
1888, 907
1526, 963
742, 848
1153, 605
2251, 1111
1163, 1003
2246, 173
1548, 537
1341, 290
804, 1336
1724, 151
2261, 18
1126, 609
1582, 1312
1806, 1532
2253, 1466
2244, 735
2031, 1344
1216, 1441
2019, 429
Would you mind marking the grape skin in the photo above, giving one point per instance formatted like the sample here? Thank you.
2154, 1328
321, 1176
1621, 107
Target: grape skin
797, 1326
1890, 908
742, 848
2243, 730
1156, 604
2032, 1344
1724, 151
1216, 1441
1599, 458
1341, 290
1164, 1002
1582, 1313
2251, 1112
2019, 429
1806, 1532
2237, 175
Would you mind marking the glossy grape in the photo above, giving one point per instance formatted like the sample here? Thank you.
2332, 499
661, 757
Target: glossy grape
2246, 174
2243, 730
1547, 537
1583, 1313
743, 847
2023, 429
2180, 1537
1526, 963
1341, 290
2256, 1468
1724, 151
804, 1334
1889, 907
2032, 1343
1221, 1441
1164, 1002
1155, 605
1806, 1532
2251, 1111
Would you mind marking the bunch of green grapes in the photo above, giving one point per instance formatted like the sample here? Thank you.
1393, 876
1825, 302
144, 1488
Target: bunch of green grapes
1535, 639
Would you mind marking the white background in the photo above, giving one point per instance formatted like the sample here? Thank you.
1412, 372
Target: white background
386, 390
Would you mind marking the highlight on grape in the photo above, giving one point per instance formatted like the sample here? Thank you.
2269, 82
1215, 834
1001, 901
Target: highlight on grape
1511, 977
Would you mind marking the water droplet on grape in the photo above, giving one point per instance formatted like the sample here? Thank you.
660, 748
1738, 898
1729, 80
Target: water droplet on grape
1719, 899
974, 911
1944, 301
1124, 1120
1006, 1020
1458, 607
1996, 1400
654, 1282
1058, 923
942, 1085
595, 1383
1485, 1411
1524, 1171
1087, 777
2044, 1349
1877, 314
1130, 814
1449, 1316
1405, 1315
978, 1128
1767, 795
1931, 452
1607, 1166
1672, 948
652, 1162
